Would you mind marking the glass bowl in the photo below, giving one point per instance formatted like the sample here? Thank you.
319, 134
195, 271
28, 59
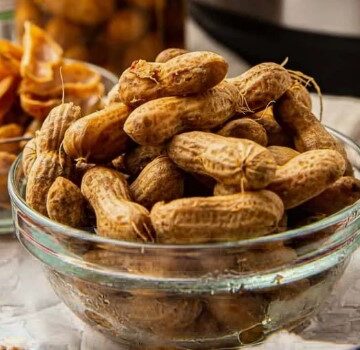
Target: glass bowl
6, 221
209, 296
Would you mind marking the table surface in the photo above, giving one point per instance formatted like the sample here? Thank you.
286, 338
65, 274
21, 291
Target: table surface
32, 316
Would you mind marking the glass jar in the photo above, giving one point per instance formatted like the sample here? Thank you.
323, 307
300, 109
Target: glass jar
109, 33
206, 296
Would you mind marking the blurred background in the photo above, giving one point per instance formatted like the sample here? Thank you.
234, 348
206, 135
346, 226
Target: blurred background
321, 38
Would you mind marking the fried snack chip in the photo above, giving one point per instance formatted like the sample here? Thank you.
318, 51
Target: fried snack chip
41, 55
77, 77
10, 57
40, 106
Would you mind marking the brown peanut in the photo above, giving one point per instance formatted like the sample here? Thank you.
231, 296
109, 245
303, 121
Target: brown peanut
245, 128
116, 216
301, 94
9, 131
308, 132
168, 54
29, 156
307, 175
6, 160
228, 160
217, 219
262, 84
51, 134
98, 136
137, 159
44, 171
65, 203
282, 154
191, 73
275, 133
241, 313
342, 193
113, 95
156, 121
159, 181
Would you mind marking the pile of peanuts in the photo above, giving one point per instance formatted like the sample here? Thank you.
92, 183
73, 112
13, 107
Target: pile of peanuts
181, 155
110, 33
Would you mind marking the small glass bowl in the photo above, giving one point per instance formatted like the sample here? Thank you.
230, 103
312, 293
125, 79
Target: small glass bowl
6, 220
209, 296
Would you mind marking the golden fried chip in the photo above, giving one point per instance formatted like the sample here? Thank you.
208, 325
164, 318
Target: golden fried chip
41, 54
78, 80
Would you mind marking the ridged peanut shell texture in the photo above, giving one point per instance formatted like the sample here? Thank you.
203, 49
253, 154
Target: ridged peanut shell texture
98, 136
262, 84
340, 194
307, 175
228, 160
191, 73
282, 154
29, 156
217, 219
137, 159
44, 171
245, 128
168, 54
156, 121
116, 215
65, 203
160, 180
308, 132
51, 134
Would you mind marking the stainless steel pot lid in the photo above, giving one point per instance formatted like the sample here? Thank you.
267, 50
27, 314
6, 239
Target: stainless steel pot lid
333, 17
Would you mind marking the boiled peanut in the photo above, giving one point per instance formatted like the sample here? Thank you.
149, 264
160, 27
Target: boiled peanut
282, 154
168, 54
242, 313
301, 94
6, 160
65, 203
113, 95
217, 219
117, 217
28, 156
342, 193
191, 73
307, 175
159, 181
245, 128
309, 133
137, 159
230, 161
162, 266
44, 171
9, 131
156, 121
51, 134
275, 133
98, 136
262, 84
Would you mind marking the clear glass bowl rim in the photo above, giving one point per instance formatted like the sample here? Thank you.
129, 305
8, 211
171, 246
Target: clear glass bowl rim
87, 236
